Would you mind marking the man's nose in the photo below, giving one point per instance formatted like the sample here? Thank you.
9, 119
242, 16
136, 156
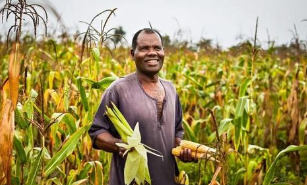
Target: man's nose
152, 52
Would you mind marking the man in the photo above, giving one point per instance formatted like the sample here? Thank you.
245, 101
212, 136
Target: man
153, 102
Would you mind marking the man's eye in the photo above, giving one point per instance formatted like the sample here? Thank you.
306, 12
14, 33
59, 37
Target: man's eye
158, 48
143, 48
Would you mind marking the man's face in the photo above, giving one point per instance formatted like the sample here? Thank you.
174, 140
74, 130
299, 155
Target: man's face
148, 54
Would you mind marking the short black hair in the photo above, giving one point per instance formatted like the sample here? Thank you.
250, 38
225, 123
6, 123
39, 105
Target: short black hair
146, 30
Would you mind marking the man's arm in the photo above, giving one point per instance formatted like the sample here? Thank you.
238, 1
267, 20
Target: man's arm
105, 141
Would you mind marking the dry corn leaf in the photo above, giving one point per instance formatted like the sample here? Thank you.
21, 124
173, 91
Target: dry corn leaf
293, 106
5, 93
6, 142
14, 69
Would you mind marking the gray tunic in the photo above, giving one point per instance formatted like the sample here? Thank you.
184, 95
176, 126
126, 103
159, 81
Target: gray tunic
137, 106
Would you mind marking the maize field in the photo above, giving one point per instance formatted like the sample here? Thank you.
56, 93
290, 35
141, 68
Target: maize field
246, 103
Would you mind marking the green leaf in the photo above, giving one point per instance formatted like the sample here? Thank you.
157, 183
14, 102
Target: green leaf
130, 170
71, 177
238, 174
240, 106
85, 170
51, 79
238, 130
20, 120
104, 83
95, 54
68, 119
244, 86
271, 172
82, 94
225, 126
35, 168
251, 149
67, 148
66, 94
98, 173
302, 129
189, 131
15, 180
52, 181
21, 154
80, 182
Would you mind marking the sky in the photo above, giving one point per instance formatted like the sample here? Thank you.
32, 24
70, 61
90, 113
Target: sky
226, 22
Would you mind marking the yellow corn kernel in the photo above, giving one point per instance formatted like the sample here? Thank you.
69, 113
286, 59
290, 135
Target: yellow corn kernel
176, 152
197, 147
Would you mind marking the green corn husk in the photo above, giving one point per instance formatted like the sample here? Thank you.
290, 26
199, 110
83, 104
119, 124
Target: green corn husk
136, 166
119, 122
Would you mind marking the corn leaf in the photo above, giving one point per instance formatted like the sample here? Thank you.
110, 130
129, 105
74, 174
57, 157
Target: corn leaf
67, 148
6, 142
52, 181
35, 168
82, 94
121, 118
271, 172
225, 126
189, 131
131, 166
244, 86
87, 167
98, 173
104, 83
68, 119
21, 154
15, 180
302, 129
80, 182
95, 54
240, 106
71, 177
20, 119
14, 69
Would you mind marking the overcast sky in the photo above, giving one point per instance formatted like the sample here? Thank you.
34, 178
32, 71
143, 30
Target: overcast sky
223, 21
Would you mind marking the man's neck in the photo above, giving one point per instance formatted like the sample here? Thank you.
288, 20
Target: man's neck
146, 79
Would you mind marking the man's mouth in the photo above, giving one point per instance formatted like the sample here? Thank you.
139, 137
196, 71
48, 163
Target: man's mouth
152, 62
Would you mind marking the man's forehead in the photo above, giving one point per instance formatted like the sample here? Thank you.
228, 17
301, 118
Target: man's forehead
144, 38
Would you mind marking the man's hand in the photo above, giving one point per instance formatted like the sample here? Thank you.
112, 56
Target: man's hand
121, 152
186, 156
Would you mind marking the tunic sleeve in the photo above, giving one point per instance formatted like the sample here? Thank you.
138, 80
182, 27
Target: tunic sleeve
101, 122
178, 118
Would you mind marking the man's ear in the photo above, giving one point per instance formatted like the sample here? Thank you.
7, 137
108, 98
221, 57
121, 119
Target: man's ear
132, 52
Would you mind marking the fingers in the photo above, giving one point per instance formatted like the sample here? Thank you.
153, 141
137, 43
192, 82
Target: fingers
186, 156
121, 151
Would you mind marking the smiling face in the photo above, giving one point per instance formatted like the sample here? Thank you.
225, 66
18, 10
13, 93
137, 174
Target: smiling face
148, 54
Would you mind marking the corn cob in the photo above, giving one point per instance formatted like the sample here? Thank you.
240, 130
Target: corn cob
199, 148
176, 152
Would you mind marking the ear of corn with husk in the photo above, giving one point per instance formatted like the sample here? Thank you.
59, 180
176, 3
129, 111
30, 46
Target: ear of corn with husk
136, 167
182, 178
